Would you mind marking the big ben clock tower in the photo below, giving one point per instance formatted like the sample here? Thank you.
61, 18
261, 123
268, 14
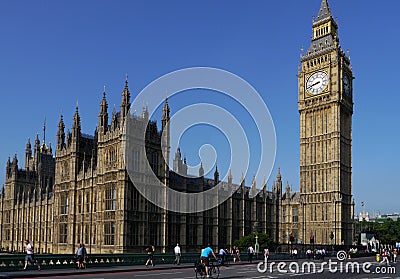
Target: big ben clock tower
325, 103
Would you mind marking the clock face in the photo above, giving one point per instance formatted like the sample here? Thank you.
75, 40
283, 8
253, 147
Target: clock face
317, 83
346, 84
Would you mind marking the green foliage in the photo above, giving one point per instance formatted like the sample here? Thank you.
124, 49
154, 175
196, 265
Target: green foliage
264, 240
387, 231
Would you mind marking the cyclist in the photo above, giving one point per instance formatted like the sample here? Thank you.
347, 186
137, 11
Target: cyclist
205, 257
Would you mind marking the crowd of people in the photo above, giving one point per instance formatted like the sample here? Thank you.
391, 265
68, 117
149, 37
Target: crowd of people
387, 256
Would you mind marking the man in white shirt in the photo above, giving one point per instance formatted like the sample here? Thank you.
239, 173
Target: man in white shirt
177, 251
29, 255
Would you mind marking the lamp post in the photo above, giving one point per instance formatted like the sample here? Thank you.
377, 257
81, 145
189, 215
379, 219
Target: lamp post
303, 229
334, 234
256, 246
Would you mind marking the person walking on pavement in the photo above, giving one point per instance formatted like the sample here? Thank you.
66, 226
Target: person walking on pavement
177, 251
30, 255
80, 256
266, 254
385, 257
250, 253
234, 254
150, 253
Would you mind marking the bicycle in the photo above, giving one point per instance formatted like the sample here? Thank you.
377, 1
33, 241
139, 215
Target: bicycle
200, 270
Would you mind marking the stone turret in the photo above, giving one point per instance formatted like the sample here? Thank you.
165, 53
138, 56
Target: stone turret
201, 170
125, 103
61, 134
103, 115
28, 154
216, 176
76, 126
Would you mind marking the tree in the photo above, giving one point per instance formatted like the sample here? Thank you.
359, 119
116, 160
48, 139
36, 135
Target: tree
264, 240
387, 231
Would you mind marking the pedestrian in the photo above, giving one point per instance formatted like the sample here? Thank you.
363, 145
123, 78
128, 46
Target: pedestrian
250, 253
85, 255
238, 254
385, 257
266, 254
223, 255
308, 253
394, 255
295, 253
80, 256
150, 253
177, 251
30, 255
234, 253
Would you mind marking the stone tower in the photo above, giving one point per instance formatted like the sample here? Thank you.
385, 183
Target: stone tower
325, 102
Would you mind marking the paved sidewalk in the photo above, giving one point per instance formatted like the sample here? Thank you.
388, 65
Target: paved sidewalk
32, 272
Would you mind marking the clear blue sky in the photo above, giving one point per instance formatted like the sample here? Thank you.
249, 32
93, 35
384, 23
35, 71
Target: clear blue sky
53, 53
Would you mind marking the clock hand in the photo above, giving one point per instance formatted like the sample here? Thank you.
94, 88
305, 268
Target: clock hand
313, 84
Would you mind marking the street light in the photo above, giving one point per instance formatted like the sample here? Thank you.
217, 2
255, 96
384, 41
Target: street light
334, 234
257, 246
302, 204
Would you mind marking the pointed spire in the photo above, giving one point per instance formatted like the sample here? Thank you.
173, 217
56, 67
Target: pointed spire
165, 114
103, 115
77, 118
61, 125
324, 11
216, 175
61, 133
28, 144
104, 93
253, 183
178, 153
126, 96
15, 161
37, 142
279, 176
44, 130
76, 127
145, 112
230, 177
287, 187
8, 162
165, 110
201, 169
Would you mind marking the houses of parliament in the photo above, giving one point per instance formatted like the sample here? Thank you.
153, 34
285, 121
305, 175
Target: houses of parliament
81, 191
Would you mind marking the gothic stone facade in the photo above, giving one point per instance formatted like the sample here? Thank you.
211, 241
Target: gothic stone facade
325, 103
84, 194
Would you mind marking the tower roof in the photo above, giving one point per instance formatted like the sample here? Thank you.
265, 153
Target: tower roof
324, 11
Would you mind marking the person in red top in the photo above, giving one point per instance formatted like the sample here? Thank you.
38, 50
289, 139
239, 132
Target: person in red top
385, 257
